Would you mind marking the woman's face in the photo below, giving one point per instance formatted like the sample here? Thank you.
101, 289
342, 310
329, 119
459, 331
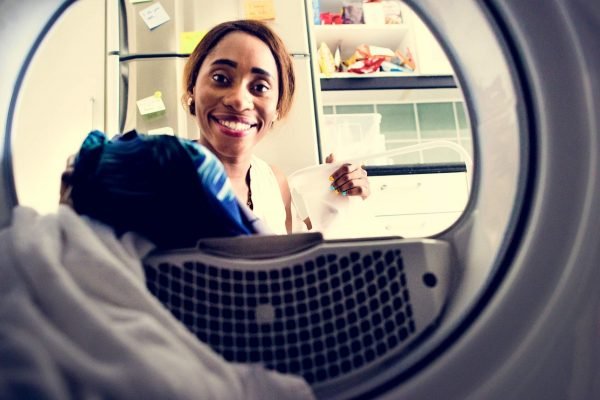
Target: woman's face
236, 95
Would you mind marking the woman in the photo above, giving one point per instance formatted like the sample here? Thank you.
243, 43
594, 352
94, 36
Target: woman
238, 82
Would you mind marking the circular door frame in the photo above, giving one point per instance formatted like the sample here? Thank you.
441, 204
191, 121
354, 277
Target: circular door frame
537, 314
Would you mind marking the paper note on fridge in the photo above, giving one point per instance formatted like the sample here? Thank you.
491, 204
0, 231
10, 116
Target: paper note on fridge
154, 15
151, 104
189, 40
259, 9
165, 130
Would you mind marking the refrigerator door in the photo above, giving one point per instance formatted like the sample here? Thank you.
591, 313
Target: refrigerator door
137, 38
154, 80
193, 15
290, 24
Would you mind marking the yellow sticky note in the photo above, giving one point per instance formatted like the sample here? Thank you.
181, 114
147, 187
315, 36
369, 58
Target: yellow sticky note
151, 105
259, 9
189, 40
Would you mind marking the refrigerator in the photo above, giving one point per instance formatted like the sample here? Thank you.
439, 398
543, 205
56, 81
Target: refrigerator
147, 56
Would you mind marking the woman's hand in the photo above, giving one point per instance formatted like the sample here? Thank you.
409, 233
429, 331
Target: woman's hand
65, 182
349, 180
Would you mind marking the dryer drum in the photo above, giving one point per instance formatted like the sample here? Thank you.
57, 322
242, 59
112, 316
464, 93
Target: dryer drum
503, 304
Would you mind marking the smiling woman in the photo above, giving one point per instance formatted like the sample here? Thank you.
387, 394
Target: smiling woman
237, 83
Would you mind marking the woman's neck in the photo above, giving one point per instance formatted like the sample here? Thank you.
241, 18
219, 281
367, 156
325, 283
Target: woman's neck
236, 167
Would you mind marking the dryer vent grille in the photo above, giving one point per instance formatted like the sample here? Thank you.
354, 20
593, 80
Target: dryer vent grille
327, 315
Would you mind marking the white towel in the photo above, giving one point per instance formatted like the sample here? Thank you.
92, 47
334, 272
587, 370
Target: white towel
76, 321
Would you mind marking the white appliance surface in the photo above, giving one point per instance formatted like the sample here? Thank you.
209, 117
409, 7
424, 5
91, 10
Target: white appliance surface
527, 324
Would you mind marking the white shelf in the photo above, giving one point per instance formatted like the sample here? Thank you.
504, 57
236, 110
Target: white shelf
349, 36
432, 67
352, 75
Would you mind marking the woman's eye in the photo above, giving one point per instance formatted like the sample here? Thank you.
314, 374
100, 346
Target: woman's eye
220, 78
261, 88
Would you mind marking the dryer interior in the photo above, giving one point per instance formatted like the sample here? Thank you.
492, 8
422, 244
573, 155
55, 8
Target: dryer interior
382, 309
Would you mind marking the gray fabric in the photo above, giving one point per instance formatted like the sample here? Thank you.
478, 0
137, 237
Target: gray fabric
76, 321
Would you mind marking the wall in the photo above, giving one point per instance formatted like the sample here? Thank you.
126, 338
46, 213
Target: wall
62, 99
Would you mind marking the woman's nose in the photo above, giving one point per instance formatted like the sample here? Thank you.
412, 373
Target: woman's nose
239, 98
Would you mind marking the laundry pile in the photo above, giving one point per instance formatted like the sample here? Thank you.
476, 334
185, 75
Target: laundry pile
76, 321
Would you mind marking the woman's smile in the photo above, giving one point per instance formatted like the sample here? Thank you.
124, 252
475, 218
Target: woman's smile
235, 128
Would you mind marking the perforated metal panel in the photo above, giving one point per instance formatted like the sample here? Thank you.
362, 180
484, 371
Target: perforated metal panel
328, 313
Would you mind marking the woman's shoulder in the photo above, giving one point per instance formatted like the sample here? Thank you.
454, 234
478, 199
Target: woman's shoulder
263, 166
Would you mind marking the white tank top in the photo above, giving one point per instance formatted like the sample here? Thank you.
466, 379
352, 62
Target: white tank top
266, 196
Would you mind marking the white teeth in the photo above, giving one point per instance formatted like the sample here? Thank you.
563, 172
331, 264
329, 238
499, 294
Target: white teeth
236, 126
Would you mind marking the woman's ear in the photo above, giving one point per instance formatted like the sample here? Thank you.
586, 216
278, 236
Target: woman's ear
191, 104
275, 118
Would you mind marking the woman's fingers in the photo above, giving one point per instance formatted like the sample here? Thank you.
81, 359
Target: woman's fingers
350, 180
355, 188
65, 182
346, 172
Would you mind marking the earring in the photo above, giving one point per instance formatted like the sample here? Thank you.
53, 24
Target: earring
191, 105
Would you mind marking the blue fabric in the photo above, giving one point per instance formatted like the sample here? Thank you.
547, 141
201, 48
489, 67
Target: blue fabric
170, 190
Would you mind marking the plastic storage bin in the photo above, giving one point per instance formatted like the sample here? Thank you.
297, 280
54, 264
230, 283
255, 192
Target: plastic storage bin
334, 215
349, 216
352, 135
